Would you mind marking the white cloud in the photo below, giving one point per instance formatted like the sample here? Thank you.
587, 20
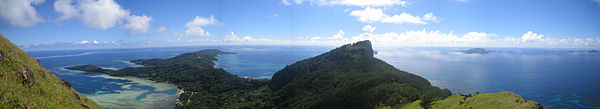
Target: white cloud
102, 14
359, 3
339, 35
369, 28
234, 38
403, 18
371, 15
84, 42
202, 21
96, 42
286, 2
195, 31
530, 36
138, 24
430, 17
20, 13
66, 9
194, 27
477, 37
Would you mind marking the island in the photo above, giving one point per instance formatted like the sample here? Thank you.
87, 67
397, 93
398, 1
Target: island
476, 51
347, 77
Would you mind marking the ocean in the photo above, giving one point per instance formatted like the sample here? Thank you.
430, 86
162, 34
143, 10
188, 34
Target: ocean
557, 78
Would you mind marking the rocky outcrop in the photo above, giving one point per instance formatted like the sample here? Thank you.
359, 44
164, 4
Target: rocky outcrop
65, 82
27, 76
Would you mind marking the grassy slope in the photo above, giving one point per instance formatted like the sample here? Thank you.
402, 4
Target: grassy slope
500, 100
46, 91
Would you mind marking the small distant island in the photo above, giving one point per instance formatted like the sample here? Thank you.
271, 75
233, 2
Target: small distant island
348, 77
476, 51
593, 51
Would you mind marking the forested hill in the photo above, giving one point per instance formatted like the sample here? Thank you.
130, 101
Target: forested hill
348, 77
202, 58
24, 83
204, 86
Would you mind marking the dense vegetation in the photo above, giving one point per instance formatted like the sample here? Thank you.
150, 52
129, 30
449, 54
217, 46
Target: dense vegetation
345, 77
203, 85
349, 77
26, 84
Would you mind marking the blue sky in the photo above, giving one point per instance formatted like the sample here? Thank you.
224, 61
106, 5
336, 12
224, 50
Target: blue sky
502, 23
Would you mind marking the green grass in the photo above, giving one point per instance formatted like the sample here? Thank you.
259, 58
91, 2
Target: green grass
46, 91
500, 100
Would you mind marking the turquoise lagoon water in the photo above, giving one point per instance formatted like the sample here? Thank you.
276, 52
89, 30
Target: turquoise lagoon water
557, 78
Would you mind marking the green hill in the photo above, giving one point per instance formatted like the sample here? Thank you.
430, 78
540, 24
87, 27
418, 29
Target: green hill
24, 83
349, 77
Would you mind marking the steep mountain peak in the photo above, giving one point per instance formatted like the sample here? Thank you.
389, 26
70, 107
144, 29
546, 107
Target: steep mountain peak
348, 77
361, 48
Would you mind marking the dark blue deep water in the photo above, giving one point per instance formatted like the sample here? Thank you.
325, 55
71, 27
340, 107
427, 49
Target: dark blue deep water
557, 78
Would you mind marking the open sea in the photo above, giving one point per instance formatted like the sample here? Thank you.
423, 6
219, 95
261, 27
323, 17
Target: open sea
557, 78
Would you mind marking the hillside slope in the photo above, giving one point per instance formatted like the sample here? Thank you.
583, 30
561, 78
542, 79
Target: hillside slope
349, 77
26, 84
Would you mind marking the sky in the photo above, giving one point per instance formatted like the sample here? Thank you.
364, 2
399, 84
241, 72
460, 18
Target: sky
394, 23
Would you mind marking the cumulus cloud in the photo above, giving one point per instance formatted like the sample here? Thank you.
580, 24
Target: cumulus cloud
194, 27
234, 38
339, 35
101, 14
66, 9
20, 13
371, 15
368, 28
403, 18
359, 3
84, 42
530, 36
138, 24
477, 37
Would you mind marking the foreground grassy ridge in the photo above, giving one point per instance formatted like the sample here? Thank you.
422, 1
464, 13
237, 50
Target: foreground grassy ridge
37, 88
500, 100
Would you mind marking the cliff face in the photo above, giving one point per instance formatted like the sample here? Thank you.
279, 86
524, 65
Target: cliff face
26, 84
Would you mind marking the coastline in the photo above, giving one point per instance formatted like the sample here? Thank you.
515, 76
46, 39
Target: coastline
133, 94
